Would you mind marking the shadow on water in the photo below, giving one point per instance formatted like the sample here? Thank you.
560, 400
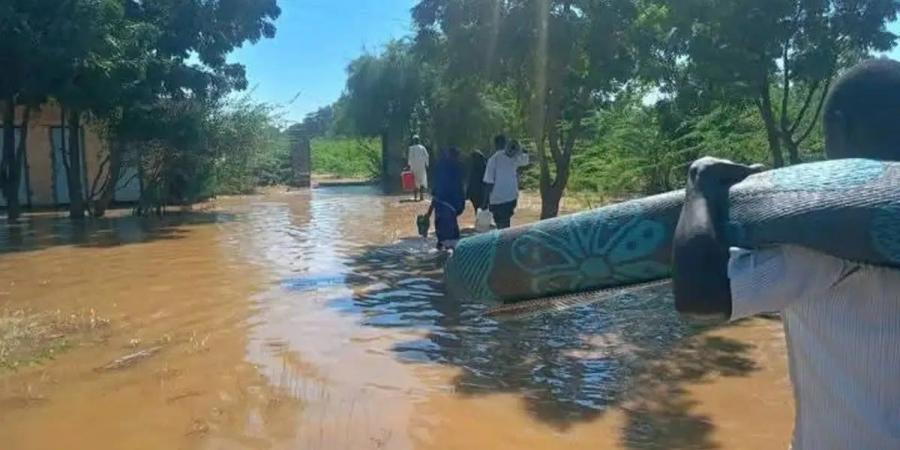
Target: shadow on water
42, 232
632, 352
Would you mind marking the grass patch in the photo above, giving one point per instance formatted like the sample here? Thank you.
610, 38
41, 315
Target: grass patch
346, 158
29, 338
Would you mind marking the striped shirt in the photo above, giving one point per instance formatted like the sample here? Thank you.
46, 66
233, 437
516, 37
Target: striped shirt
842, 323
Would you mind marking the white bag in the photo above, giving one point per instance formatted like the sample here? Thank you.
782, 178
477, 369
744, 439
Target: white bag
483, 221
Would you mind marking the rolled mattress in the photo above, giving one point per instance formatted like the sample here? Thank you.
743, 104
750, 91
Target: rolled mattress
846, 208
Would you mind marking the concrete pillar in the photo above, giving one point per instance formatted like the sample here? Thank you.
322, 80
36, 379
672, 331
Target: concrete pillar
301, 161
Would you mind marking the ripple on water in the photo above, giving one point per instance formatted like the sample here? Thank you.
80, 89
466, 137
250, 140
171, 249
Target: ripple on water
348, 333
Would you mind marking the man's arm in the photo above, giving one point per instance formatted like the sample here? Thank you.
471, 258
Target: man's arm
488, 188
524, 159
490, 173
700, 252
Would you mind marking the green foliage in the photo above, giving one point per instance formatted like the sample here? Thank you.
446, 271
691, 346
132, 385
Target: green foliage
778, 54
203, 149
627, 153
382, 91
562, 59
248, 148
631, 151
122, 62
346, 157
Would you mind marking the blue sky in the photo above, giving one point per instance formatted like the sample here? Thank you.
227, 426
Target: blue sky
895, 28
316, 40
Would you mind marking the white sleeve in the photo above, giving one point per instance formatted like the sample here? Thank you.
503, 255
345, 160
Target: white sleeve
426, 157
409, 156
489, 176
523, 159
772, 279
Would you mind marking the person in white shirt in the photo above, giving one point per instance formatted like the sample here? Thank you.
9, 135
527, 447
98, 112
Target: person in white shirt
501, 179
418, 160
841, 319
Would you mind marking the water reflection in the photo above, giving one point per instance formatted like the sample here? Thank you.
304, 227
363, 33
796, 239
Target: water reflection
50, 230
567, 368
307, 320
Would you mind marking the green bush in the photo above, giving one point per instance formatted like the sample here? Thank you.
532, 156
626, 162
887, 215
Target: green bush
346, 158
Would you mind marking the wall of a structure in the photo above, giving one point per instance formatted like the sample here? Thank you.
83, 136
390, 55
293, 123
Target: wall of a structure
40, 153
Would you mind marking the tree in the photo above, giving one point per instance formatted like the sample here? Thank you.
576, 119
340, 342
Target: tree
26, 55
154, 69
382, 93
780, 54
564, 59
316, 124
112, 61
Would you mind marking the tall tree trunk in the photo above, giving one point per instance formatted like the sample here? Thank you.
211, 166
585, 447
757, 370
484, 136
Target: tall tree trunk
562, 145
551, 197
76, 191
21, 172
764, 103
546, 184
553, 190
113, 173
793, 149
9, 171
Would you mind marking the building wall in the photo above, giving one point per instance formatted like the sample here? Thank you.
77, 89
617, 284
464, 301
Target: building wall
40, 153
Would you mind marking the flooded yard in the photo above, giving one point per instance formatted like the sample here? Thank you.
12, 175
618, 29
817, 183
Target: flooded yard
312, 320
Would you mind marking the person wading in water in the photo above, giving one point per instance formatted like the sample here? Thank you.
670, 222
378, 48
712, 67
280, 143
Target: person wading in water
475, 190
448, 200
501, 179
418, 160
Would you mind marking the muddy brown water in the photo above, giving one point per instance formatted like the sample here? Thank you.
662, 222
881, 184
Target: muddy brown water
310, 320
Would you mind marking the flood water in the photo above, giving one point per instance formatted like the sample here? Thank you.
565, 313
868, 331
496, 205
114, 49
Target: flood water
311, 320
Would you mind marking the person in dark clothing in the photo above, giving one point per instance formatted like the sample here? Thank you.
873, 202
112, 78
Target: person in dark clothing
475, 191
448, 199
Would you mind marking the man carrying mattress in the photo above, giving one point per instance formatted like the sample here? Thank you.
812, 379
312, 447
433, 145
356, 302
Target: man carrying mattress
842, 320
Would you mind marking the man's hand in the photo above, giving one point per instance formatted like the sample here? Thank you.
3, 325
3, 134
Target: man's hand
712, 174
700, 253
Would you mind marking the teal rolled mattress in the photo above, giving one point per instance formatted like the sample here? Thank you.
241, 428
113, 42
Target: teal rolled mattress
846, 208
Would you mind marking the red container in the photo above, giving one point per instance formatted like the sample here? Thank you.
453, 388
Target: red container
409, 181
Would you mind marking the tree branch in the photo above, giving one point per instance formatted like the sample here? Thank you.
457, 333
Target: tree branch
100, 174
129, 179
553, 137
806, 105
545, 167
758, 103
815, 121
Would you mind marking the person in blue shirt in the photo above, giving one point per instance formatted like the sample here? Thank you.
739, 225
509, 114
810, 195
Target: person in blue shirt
448, 198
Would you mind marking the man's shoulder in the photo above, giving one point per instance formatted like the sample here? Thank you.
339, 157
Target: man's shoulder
800, 265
